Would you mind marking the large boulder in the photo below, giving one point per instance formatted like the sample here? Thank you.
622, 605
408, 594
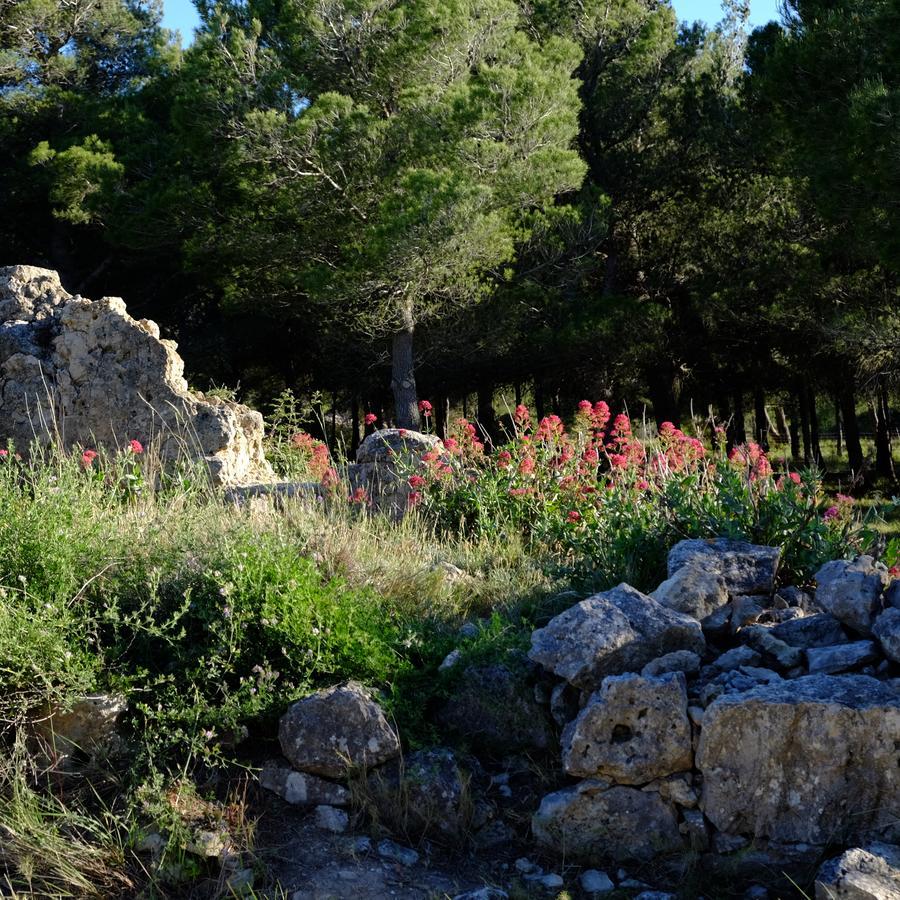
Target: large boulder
594, 822
337, 729
386, 460
633, 730
618, 631
869, 873
851, 591
424, 794
813, 760
86, 373
745, 568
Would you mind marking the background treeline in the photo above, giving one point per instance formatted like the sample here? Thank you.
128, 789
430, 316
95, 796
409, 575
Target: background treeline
479, 201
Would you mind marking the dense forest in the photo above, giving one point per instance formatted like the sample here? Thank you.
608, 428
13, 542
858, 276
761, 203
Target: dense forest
373, 202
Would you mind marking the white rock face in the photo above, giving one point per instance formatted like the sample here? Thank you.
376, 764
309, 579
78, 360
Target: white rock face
633, 730
813, 760
870, 873
87, 373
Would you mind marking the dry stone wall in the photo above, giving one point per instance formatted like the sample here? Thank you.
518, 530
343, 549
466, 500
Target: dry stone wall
87, 374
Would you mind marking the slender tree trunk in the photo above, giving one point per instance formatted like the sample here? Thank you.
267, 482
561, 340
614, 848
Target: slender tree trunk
334, 441
760, 420
884, 457
539, 404
794, 430
738, 425
815, 442
847, 400
403, 375
354, 426
783, 427
440, 415
662, 396
803, 404
837, 425
518, 390
486, 416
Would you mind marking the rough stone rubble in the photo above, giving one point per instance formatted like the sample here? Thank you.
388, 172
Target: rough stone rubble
87, 374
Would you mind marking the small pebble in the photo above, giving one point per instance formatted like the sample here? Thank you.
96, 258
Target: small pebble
595, 882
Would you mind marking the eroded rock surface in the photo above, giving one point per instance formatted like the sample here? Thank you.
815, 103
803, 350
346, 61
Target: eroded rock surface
813, 760
870, 873
618, 631
594, 822
851, 591
745, 568
633, 730
89, 373
336, 729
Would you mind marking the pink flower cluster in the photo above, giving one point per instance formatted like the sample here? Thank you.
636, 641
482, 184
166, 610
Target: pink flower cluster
316, 457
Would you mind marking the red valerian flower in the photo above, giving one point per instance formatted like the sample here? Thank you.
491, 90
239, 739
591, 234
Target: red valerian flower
894, 571
401, 432
519, 492
359, 496
4, 452
414, 499
329, 478
526, 465
573, 516
425, 408
618, 461
831, 513
370, 418
795, 477
522, 416
88, 457
135, 446
504, 458
416, 481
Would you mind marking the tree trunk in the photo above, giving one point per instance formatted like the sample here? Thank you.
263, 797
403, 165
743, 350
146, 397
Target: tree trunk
794, 432
518, 389
803, 404
486, 416
354, 426
884, 457
539, 404
663, 396
403, 377
852, 442
760, 420
441, 410
837, 424
814, 427
738, 425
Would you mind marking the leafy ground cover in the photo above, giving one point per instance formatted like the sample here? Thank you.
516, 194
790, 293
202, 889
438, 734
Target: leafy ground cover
210, 619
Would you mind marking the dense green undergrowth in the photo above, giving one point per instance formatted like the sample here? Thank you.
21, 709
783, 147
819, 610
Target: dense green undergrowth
210, 618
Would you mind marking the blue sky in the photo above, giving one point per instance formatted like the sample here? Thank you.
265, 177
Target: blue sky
181, 15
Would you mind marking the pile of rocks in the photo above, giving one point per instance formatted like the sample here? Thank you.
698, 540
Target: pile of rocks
724, 716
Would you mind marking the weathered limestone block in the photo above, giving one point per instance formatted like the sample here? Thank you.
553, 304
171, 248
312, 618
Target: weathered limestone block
840, 657
870, 873
696, 590
633, 730
336, 729
425, 793
594, 822
887, 630
84, 728
822, 630
301, 788
851, 591
811, 760
745, 568
618, 631
86, 372
385, 461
